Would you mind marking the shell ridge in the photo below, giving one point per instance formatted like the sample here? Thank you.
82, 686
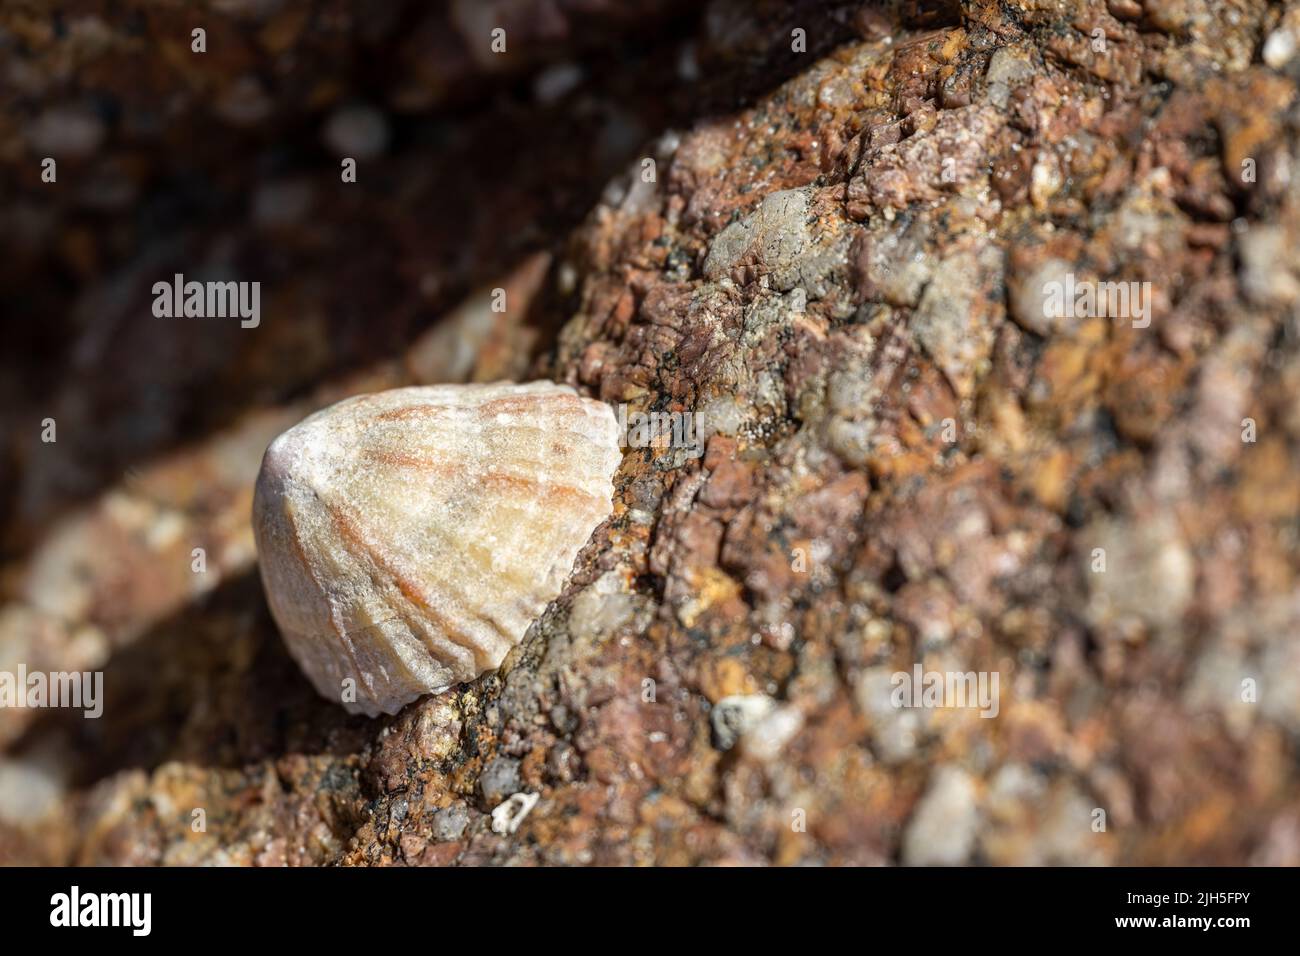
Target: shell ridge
349, 649
408, 589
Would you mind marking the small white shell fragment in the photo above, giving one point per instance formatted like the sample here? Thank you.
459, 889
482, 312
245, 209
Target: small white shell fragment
507, 817
408, 539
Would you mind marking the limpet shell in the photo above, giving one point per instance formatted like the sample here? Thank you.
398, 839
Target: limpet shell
407, 539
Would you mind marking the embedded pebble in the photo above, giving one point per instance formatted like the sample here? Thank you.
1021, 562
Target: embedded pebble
734, 716
942, 831
67, 131
358, 132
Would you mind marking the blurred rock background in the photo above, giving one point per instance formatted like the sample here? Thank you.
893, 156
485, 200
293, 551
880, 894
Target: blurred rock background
838, 266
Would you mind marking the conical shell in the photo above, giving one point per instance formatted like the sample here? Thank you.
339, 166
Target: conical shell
407, 539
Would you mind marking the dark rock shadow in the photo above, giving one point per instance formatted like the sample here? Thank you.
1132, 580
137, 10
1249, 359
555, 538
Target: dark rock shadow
213, 685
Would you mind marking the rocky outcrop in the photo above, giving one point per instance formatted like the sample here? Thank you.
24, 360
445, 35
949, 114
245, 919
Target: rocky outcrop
919, 455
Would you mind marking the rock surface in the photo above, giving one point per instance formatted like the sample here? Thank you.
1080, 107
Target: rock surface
839, 266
